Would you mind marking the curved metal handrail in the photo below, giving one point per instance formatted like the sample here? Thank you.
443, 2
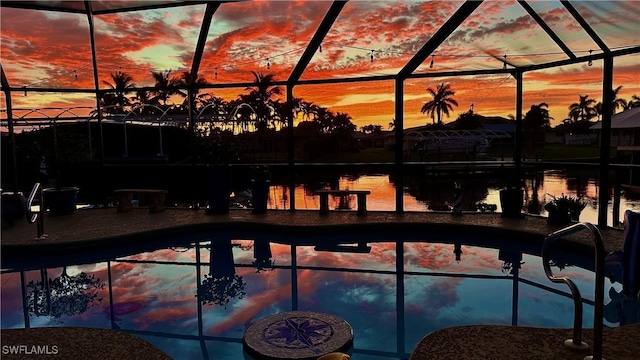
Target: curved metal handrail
38, 216
576, 341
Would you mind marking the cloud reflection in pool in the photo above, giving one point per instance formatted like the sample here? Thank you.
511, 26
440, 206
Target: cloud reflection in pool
392, 295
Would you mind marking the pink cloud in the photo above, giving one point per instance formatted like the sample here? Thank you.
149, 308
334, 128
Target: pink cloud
38, 47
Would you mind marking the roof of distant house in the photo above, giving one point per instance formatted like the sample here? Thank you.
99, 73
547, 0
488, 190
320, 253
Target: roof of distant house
627, 119
499, 127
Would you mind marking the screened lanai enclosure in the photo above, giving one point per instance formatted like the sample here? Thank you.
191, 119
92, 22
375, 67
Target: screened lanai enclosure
110, 94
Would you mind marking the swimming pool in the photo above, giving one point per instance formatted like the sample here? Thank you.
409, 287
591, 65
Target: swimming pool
194, 297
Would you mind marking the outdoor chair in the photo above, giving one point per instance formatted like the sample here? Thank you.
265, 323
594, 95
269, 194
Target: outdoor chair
623, 266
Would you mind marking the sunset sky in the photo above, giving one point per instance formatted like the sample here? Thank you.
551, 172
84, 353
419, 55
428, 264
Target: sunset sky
48, 49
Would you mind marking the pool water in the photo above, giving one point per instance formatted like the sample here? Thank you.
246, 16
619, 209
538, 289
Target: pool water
194, 300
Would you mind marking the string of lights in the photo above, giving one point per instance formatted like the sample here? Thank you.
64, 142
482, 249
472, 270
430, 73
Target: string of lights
268, 60
224, 66
449, 55
66, 73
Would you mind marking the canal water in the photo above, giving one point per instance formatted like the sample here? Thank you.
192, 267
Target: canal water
431, 194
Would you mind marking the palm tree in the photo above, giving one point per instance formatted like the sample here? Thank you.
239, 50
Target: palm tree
243, 115
442, 102
342, 123
307, 109
185, 81
392, 124
343, 128
142, 98
324, 119
164, 82
216, 111
277, 113
262, 92
616, 102
584, 110
634, 102
537, 117
263, 87
371, 129
121, 86
535, 121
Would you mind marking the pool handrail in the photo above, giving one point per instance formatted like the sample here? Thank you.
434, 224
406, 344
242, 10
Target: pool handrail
576, 341
38, 216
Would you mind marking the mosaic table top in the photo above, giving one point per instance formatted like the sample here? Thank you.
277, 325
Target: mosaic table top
297, 335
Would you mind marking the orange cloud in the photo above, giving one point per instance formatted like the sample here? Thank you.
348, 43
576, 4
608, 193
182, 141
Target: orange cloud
49, 49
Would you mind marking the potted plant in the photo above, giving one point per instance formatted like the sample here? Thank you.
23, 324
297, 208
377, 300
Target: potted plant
564, 209
512, 200
218, 153
575, 208
260, 182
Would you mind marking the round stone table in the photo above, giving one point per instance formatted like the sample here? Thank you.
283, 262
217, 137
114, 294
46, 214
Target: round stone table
299, 335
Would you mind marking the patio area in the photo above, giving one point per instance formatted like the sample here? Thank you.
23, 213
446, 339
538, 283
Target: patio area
107, 227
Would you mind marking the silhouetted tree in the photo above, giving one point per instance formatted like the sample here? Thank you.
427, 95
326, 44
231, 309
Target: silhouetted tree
468, 121
371, 129
121, 84
243, 110
537, 117
341, 124
442, 102
307, 128
262, 92
64, 295
163, 87
185, 80
534, 124
278, 116
308, 110
215, 111
324, 119
144, 104
584, 110
634, 102
616, 103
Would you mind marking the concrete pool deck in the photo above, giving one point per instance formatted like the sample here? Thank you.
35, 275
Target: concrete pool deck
96, 227
100, 228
